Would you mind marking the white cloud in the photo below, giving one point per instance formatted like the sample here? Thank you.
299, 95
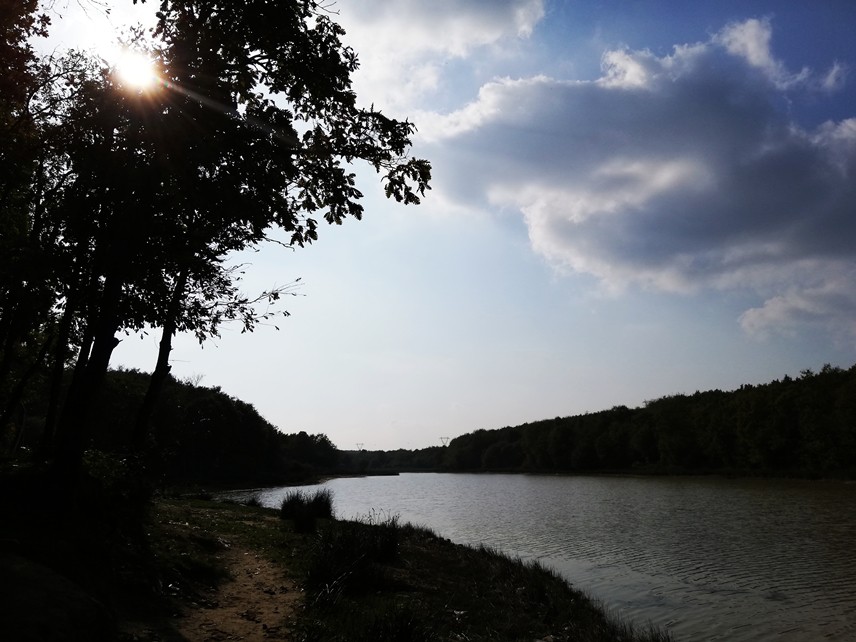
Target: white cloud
404, 44
751, 40
829, 306
676, 173
835, 77
626, 69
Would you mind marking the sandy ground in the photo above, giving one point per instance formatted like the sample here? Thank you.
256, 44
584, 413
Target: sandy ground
255, 605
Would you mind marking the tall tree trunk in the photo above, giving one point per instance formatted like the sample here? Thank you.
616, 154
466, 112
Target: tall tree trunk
162, 367
57, 374
73, 426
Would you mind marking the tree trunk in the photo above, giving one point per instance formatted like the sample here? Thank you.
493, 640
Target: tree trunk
57, 374
162, 367
73, 427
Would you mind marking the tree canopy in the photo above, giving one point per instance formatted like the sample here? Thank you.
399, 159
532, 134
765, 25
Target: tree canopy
128, 201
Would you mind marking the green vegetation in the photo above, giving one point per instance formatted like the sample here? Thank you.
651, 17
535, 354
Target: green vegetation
797, 427
136, 569
120, 208
199, 436
376, 579
304, 509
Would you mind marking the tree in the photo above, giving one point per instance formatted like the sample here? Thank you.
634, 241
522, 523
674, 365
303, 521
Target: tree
254, 129
22, 299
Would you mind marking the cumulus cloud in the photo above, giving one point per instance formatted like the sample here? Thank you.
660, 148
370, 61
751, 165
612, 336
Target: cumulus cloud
674, 172
404, 44
751, 40
829, 306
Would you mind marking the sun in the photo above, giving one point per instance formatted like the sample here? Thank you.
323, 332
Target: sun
136, 69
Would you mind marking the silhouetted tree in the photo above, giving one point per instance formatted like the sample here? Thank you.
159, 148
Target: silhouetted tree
251, 135
25, 298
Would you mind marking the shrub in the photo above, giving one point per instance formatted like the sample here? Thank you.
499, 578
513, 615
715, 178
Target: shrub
304, 509
253, 501
321, 503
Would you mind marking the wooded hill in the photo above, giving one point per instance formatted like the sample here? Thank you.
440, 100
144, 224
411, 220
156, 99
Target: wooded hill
199, 435
802, 427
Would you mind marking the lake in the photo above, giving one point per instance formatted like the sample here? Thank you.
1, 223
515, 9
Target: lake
707, 558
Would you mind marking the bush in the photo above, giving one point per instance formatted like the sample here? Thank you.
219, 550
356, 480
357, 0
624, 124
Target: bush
304, 509
321, 503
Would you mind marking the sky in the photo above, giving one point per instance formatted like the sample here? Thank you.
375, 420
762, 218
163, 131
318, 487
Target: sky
630, 200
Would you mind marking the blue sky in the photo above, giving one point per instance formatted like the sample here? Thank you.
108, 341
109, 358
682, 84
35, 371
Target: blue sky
631, 199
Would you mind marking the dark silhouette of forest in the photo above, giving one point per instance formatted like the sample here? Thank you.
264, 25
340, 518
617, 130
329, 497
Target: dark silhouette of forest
800, 427
199, 436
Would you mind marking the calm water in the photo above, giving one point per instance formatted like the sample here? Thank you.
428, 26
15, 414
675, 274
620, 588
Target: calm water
711, 559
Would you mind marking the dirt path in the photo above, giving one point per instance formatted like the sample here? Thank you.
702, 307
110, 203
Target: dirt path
255, 605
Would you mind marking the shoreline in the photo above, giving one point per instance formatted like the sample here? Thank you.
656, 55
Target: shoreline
386, 579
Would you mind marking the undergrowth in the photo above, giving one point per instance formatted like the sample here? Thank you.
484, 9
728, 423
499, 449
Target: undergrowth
304, 509
377, 579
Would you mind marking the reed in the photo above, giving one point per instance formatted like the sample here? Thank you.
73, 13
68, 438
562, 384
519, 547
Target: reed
304, 509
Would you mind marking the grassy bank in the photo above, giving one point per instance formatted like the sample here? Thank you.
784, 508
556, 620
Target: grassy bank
374, 579
192, 569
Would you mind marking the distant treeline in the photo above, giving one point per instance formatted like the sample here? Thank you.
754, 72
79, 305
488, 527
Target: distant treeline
804, 427
801, 427
199, 435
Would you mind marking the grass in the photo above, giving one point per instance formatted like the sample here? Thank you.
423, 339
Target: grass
369, 579
349, 558
377, 579
253, 501
305, 509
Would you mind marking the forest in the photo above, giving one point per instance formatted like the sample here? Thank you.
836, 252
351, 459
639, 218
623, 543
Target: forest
200, 436
792, 427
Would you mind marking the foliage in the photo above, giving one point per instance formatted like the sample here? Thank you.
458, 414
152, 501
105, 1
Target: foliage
803, 427
25, 316
790, 427
392, 461
125, 204
253, 501
201, 436
304, 509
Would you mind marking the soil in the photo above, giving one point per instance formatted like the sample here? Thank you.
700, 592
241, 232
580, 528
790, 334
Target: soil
250, 594
255, 605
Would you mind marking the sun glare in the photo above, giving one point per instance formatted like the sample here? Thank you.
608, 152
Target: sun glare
136, 69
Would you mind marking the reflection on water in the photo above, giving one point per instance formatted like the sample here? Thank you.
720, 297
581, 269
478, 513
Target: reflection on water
712, 559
